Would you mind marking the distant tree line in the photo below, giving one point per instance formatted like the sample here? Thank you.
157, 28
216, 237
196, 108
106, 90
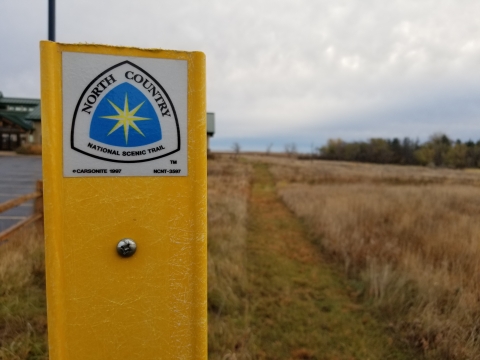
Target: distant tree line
439, 150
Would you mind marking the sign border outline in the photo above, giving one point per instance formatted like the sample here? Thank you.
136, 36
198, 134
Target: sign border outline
72, 145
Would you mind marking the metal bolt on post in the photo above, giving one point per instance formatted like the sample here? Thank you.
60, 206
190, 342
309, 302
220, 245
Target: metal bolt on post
126, 247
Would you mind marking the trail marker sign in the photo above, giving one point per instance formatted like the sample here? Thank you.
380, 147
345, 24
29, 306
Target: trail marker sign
124, 157
118, 112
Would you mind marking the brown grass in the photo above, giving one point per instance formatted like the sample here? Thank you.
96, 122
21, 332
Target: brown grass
23, 323
411, 234
341, 172
269, 294
228, 325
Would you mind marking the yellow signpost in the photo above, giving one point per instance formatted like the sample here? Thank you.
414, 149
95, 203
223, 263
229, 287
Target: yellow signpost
124, 167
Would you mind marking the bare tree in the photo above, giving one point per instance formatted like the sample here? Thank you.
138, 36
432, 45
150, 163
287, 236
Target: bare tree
269, 148
236, 149
312, 151
290, 149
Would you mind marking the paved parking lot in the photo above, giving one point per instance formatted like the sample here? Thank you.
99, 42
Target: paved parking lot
18, 175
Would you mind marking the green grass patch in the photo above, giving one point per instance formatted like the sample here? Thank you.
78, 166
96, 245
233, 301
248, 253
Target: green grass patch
23, 321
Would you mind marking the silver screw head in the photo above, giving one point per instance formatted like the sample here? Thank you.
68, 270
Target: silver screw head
126, 247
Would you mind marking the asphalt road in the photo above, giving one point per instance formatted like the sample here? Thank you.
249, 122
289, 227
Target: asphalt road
18, 175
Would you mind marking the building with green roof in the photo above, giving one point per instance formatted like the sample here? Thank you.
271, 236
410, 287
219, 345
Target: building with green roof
19, 122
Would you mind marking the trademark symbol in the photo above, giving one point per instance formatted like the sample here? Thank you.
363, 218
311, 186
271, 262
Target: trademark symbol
173, 161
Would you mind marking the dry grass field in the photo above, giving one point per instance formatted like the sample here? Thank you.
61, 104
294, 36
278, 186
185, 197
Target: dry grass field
311, 260
271, 293
228, 311
411, 235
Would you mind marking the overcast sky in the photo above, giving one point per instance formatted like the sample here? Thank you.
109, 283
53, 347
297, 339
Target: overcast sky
286, 71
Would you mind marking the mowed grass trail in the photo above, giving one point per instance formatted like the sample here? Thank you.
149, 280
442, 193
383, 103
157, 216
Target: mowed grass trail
299, 307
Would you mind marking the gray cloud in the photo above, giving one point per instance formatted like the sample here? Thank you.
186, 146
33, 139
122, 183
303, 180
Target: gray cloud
294, 70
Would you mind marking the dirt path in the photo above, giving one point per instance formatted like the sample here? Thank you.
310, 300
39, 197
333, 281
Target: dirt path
300, 308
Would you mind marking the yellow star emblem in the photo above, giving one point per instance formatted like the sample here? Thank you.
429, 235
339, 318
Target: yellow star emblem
125, 118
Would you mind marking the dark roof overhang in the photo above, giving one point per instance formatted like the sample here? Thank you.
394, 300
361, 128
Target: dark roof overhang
16, 118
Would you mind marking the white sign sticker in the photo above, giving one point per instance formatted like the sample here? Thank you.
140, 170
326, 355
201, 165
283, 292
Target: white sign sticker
124, 116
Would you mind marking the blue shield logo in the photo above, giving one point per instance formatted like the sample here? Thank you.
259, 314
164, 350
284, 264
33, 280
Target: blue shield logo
126, 118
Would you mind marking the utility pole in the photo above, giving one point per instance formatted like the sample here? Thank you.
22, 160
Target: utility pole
51, 20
